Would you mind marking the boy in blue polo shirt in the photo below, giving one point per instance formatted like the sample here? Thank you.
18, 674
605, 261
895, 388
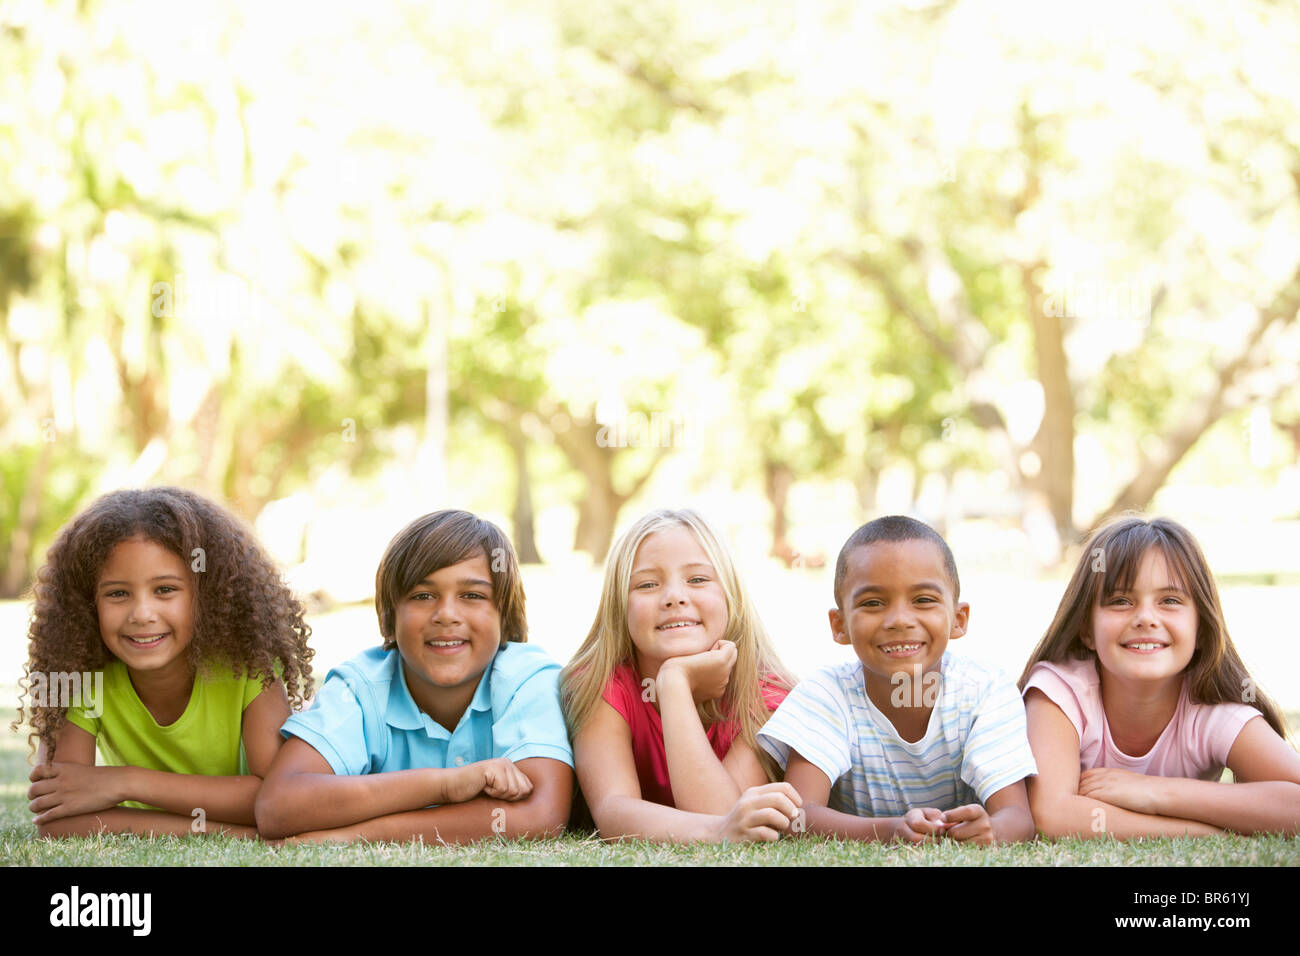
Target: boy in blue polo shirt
452, 730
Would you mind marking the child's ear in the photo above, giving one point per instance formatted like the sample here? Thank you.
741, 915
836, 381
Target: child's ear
960, 620
1088, 641
838, 633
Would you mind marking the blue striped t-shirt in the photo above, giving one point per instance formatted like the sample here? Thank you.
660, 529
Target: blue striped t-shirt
975, 744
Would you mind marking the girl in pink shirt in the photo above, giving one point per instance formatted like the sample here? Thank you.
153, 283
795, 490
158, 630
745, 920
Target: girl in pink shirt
1137, 700
666, 696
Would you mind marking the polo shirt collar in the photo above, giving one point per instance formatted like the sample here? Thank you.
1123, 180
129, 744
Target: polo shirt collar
403, 713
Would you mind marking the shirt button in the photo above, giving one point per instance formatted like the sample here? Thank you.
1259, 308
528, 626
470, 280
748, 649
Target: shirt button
459, 761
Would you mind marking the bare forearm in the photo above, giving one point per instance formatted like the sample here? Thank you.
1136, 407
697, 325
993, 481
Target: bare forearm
141, 822
475, 819
222, 798
700, 782
296, 803
1012, 825
827, 822
618, 817
1084, 817
1271, 806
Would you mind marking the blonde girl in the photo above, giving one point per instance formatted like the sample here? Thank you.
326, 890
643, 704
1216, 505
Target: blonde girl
1137, 699
665, 697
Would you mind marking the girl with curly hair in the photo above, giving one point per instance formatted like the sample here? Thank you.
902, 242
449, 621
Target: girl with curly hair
162, 633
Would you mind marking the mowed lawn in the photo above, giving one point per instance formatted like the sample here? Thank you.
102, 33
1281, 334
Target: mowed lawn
19, 846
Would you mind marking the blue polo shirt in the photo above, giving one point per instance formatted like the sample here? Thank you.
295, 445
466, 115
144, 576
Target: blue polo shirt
364, 719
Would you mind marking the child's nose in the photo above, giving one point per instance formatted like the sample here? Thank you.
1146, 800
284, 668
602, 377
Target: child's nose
899, 615
143, 610
674, 593
444, 609
1144, 614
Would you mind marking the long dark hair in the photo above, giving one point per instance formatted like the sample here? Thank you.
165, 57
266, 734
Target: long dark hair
1110, 560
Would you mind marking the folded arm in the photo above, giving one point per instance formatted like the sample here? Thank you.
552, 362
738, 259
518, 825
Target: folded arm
607, 773
1060, 809
543, 812
303, 793
73, 796
1265, 798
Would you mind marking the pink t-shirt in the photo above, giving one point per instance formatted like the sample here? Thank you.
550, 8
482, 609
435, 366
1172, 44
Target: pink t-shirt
1194, 744
625, 694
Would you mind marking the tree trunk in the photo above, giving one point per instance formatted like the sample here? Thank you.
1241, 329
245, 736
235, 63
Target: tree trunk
1054, 442
777, 479
522, 517
597, 514
601, 502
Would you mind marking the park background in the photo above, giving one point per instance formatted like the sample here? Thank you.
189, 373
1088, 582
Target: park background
1010, 267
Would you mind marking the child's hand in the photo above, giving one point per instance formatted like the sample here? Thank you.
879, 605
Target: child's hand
503, 780
969, 824
761, 813
1121, 788
498, 778
920, 823
70, 789
707, 672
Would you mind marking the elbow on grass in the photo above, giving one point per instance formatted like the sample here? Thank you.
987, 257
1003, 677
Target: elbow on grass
544, 823
1052, 822
46, 830
272, 823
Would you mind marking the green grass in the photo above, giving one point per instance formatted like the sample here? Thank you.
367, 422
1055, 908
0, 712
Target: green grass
20, 847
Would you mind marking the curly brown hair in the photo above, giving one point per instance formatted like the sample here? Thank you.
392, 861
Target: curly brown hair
245, 617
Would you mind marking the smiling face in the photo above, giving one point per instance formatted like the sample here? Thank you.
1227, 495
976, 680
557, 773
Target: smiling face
675, 604
145, 601
1146, 633
448, 630
898, 613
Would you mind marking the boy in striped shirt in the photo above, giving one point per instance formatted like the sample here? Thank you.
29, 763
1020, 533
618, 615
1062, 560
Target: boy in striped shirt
907, 742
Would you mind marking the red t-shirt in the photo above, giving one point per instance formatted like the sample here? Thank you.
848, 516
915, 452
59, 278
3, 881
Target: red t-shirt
625, 694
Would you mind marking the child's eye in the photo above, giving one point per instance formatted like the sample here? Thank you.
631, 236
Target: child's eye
698, 579
116, 593
475, 595
926, 599
643, 585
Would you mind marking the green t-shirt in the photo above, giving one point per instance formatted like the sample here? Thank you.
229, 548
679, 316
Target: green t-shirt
206, 739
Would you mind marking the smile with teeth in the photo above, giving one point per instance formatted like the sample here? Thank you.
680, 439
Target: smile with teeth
901, 648
1144, 646
144, 640
674, 624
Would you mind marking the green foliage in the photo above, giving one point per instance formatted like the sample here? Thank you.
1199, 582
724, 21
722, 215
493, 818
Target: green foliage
825, 232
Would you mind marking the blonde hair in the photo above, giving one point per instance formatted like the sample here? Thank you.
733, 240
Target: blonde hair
609, 643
